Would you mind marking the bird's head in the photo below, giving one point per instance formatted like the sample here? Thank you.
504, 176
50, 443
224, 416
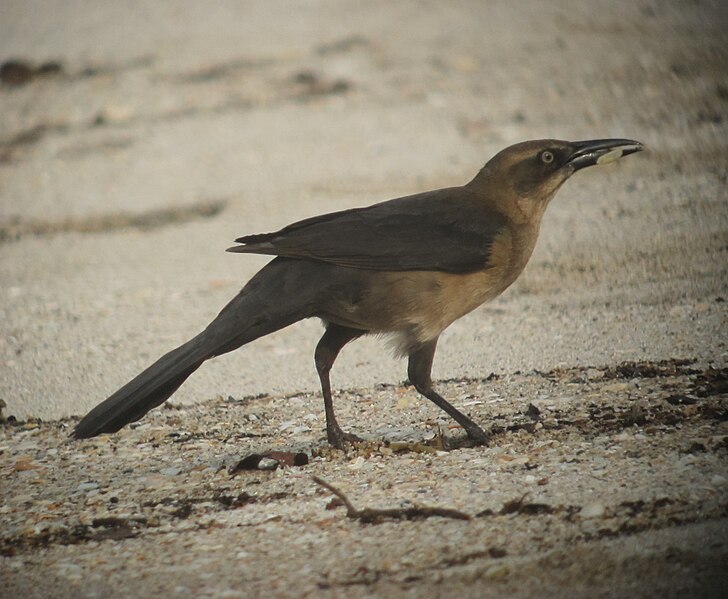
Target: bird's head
528, 174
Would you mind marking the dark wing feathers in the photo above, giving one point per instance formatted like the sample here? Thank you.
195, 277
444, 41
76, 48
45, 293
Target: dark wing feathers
446, 230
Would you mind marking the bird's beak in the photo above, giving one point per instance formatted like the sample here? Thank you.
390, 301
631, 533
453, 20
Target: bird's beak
601, 151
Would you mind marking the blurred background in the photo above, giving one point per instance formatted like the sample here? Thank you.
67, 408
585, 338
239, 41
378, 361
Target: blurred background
138, 139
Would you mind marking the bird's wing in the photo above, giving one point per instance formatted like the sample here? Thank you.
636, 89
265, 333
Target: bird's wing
447, 230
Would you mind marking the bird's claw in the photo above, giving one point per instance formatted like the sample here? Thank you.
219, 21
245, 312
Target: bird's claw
478, 435
340, 439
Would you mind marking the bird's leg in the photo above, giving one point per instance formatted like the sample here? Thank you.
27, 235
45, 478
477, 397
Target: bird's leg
328, 348
419, 371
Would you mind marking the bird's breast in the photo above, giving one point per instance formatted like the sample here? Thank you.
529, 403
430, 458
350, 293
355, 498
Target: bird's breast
418, 305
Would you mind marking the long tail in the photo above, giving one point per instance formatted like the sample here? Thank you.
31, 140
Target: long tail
283, 292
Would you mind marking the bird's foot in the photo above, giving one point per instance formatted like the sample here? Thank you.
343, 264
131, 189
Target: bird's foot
477, 434
340, 439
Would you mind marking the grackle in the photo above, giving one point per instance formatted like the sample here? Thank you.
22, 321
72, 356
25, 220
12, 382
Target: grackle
407, 267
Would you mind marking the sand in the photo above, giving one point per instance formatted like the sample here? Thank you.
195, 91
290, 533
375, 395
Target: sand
165, 130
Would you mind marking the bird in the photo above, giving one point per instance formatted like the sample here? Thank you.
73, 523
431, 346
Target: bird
405, 268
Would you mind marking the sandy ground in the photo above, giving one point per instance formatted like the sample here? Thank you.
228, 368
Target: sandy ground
162, 131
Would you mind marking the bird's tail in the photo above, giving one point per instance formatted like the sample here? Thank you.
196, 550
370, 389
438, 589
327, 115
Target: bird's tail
282, 293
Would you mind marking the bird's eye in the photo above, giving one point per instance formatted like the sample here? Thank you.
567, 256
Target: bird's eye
547, 157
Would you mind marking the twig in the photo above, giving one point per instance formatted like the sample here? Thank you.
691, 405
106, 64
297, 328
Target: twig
350, 509
373, 515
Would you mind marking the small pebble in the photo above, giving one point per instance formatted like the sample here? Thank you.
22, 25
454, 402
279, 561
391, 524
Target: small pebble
497, 572
174, 471
593, 509
356, 464
87, 486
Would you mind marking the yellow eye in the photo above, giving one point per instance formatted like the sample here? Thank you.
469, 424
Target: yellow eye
547, 157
